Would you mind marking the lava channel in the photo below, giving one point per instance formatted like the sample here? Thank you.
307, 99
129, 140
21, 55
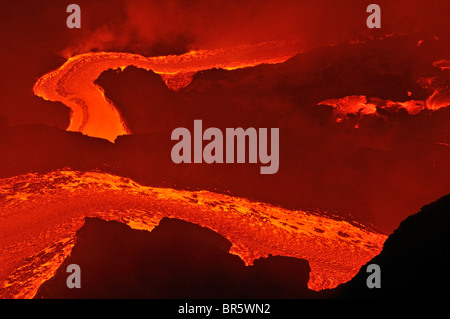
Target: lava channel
94, 115
40, 214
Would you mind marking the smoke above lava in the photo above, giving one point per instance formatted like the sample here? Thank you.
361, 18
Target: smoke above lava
177, 26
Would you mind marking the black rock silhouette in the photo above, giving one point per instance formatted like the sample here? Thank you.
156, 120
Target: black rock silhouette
175, 260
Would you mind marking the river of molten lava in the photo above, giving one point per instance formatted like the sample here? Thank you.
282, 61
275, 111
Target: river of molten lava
92, 114
40, 214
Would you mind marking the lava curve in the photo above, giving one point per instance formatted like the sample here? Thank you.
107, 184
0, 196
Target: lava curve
93, 115
40, 214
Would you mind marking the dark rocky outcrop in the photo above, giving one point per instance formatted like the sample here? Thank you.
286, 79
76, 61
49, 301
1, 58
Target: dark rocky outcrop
413, 262
176, 260
183, 260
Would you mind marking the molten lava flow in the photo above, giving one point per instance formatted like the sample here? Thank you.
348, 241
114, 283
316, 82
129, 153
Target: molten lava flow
350, 105
441, 93
362, 105
93, 115
442, 64
40, 215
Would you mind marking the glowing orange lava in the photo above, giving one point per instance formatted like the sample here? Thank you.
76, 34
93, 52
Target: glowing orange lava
92, 114
441, 92
442, 64
41, 213
362, 105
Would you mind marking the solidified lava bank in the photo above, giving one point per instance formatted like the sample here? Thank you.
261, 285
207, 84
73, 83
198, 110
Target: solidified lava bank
41, 214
